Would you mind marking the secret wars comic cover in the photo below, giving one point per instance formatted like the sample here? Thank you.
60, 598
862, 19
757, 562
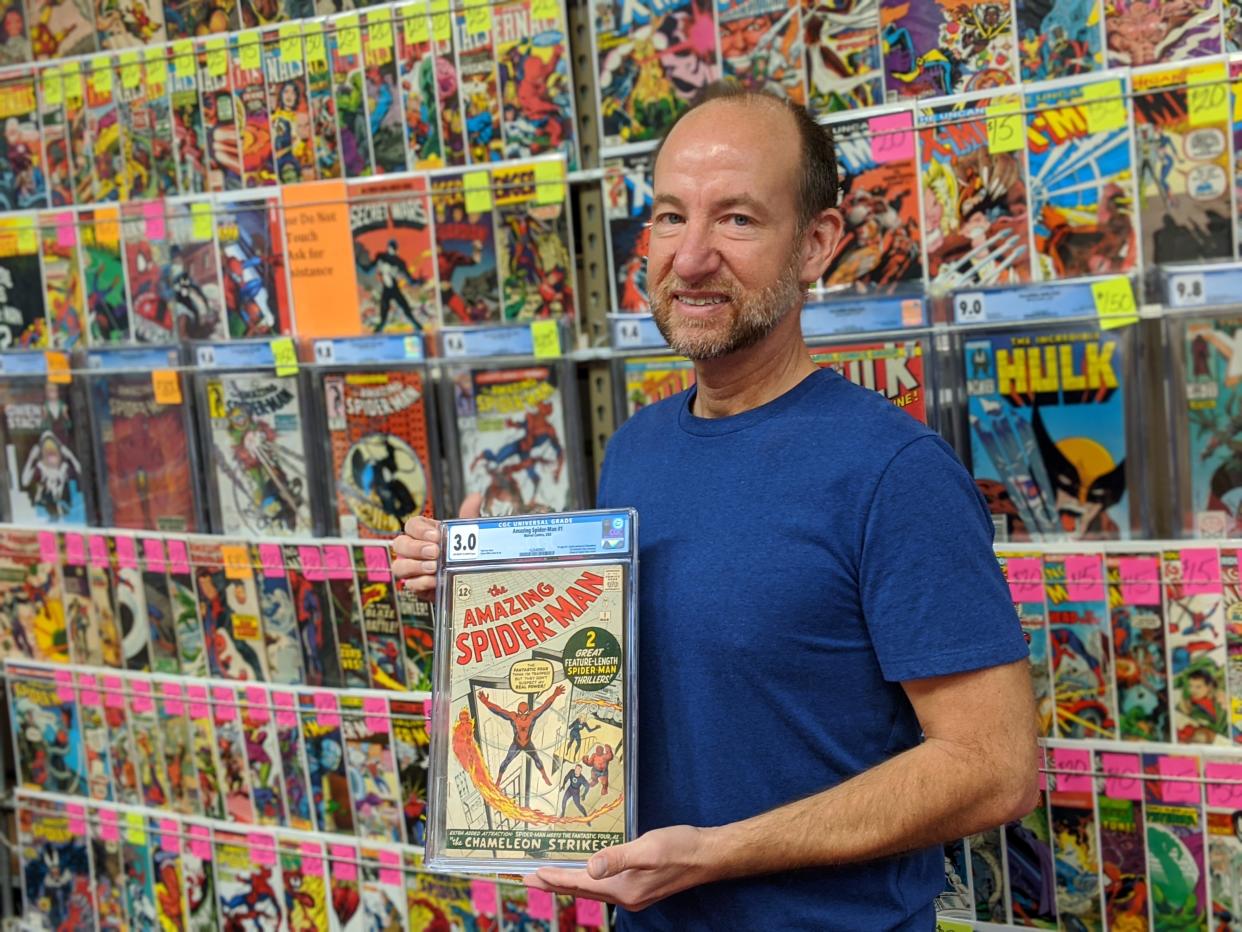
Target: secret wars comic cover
394, 255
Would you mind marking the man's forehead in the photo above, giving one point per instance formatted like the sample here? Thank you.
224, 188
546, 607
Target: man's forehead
751, 137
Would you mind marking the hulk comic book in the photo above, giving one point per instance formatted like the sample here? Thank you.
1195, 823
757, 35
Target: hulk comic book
344, 43
844, 68
103, 276
535, 699
895, 369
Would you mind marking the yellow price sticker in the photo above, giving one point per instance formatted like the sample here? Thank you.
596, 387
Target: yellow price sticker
135, 831
545, 337
108, 228
73, 84
58, 367
167, 386
217, 57
290, 42
316, 48
1207, 94
1104, 102
379, 41
952, 925
1236, 89
1114, 302
236, 559
285, 354
200, 221
478, 17
53, 86
131, 70
1005, 130
417, 27
156, 70
27, 239
101, 76
549, 186
348, 35
545, 10
183, 58
250, 50
441, 21
477, 186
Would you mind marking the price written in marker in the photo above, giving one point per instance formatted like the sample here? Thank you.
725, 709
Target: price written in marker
892, 137
348, 35
1006, 132
477, 186
417, 26
1114, 302
285, 354
1207, 94
217, 57
290, 42
545, 338
183, 58
1105, 105
250, 50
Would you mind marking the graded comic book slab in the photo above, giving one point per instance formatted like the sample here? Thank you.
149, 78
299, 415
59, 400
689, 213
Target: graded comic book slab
46, 461
844, 69
648, 379
532, 738
896, 369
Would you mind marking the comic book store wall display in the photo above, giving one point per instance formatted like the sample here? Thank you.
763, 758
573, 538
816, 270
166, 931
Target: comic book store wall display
533, 687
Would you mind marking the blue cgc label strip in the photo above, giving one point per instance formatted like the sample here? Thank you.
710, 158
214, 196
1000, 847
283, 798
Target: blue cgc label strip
598, 534
1202, 286
255, 355
32, 363
635, 331
104, 360
456, 343
1049, 301
352, 351
853, 314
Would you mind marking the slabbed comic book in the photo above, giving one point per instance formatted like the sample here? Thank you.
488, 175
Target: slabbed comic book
1137, 614
254, 125
346, 604
371, 767
761, 45
23, 317
410, 740
975, 220
1048, 431
293, 143
55, 132
1183, 167
628, 193
935, 49
465, 253
254, 276
30, 599
1081, 184
23, 184
311, 602
480, 86
295, 783
303, 870
61, 29
381, 622
1139, 33
844, 52
895, 369
1176, 866
279, 619
1059, 38
249, 890
511, 427
322, 105
103, 276
1198, 656
384, 116
1080, 636
188, 133
325, 762
262, 755
47, 735
882, 247
649, 379
163, 632
394, 255
63, 294
56, 866
147, 263
536, 88
651, 64
222, 143
191, 281
416, 71
344, 41
228, 605
533, 251
46, 454
257, 453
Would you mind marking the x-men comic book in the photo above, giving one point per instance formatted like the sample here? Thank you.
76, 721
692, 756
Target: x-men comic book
628, 194
946, 47
761, 45
1059, 38
844, 69
1138, 33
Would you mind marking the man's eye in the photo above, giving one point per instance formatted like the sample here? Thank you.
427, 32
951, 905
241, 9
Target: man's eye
740, 220
668, 217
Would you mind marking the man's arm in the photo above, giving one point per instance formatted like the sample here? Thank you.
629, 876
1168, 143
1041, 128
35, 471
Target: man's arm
976, 768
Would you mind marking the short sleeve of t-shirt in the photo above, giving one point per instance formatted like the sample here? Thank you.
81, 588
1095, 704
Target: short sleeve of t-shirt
933, 596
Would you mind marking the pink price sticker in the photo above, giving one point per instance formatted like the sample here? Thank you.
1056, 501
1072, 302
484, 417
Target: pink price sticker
284, 700
64, 686
48, 551
540, 904
1084, 578
1179, 791
256, 700
226, 710
336, 562
77, 819
172, 699
142, 701
1140, 580
376, 712
344, 862
108, 828
589, 912
75, 549
1026, 579
1077, 762
66, 238
170, 836
126, 553
114, 693
286, 718
892, 137
1227, 794
199, 843
390, 868
87, 693
99, 551
198, 701
271, 560
325, 706
312, 860
485, 897
153, 213
153, 554
178, 558
1201, 571
1123, 776
376, 560
262, 850
312, 563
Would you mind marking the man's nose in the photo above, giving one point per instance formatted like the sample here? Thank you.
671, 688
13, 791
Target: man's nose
697, 255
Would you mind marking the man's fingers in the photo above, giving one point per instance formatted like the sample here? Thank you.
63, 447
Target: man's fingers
403, 568
611, 861
471, 506
421, 528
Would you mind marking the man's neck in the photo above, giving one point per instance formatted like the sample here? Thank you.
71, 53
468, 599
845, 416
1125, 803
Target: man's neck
754, 376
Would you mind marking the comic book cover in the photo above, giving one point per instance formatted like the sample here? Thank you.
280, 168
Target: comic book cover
183, 604
1030, 605
188, 19
988, 875
109, 877
103, 276
1059, 38
881, 248
163, 634
1080, 636
1141, 34
1123, 852
1137, 617
234, 770
302, 870
1213, 476
23, 317
254, 126
23, 184
417, 622
56, 867
148, 474
262, 755
199, 877
843, 55
536, 88
191, 280
479, 84
1176, 868
394, 255
381, 624
250, 233
207, 769
1224, 848
279, 619
651, 64
1183, 169
175, 732
165, 837
325, 762
247, 882
1231, 586
137, 129
322, 105
46, 731
517, 914
511, 426
416, 71
267, 12
30, 600
1076, 852
295, 785
103, 127
343, 598
55, 133
222, 142
465, 254
96, 760
649, 379
1194, 611
139, 880
61, 28
384, 904
956, 901
384, 115
293, 144
62, 281
187, 121
346, 889
936, 49
43, 453
976, 225
163, 166
311, 603
371, 767
761, 45
77, 134
452, 127
99, 575
1235, 74
258, 454
563, 723
533, 252
446, 900
409, 736
122, 26
1048, 431
153, 775
147, 263
81, 624
628, 193
894, 369
120, 742
1231, 17
1081, 186
348, 82
228, 604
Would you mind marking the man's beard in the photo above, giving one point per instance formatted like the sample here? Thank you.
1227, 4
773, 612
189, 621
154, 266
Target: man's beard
753, 314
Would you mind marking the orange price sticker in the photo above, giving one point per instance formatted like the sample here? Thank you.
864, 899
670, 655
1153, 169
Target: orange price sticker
167, 385
58, 367
236, 561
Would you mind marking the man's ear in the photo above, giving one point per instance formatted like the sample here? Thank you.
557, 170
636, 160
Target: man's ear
820, 244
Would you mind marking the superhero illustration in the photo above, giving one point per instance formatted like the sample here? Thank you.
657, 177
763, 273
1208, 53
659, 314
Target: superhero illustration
346, 889
234, 771
381, 623
178, 739
1081, 187
188, 132
1198, 655
628, 193
222, 126
410, 740
895, 370
312, 608
445, 901
129, 598
511, 432
56, 868
162, 632
147, 261
843, 48
881, 250
1212, 474
262, 756
1123, 867
1224, 863
23, 317
1059, 38
1141, 33
162, 170
250, 237
325, 762
515, 909
1139, 653
1231, 17
59, 29
55, 133
43, 452
302, 868
77, 134
649, 379
199, 879
1176, 867
254, 125
293, 770
1235, 74
279, 617
394, 255
46, 732
479, 88
465, 255
1076, 850
936, 49
293, 143
103, 276
187, 19
138, 131
1047, 422
536, 89
416, 625
81, 623
956, 901
22, 181
105, 153
62, 282
1032, 609
761, 45
229, 612
416, 74
249, 892
122, 24
448, 91
32, 614
345, 602
371, 768
120, 743
207, 768
1183, 170
149, 759
651, 65
532, 247
166, 875
1080, 642
139, 880
266, 12
190, 281
383, 900
322, 106
384, 116
191, 648
109, 880
96, 759
1031, 874
348, 82
987, 874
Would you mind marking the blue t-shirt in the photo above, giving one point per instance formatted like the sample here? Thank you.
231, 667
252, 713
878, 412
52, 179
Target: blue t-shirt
797, 562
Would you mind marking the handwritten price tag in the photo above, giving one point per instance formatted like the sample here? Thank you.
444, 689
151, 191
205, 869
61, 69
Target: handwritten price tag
477, 186
53, 86
178, 558
199, 844
892, 137
126, 552
217, 57
478, 17
1226, 795
250, 50
155, 70
172, 699
66, 234
1026, 579
225, 708
540, 905
485, 897
1084, 578
200, 222
1123, 772
312, 859
545, 337
1105, 105
236, 561
183, 58
1114, 302
58, 371
285, 354
415, 23
348, 35
108, 830
49, 552
390, 868
75, 549
1079, 762
270, 559
336, 562
114, 693
1201, 571
312, 563
1140, 580
197, 696
153, 554
290, 42
344, 862
549, 183
376, 562
1207, 94
316, 48
1005, 130
131, 70
1179, 791
256, 703
441, 21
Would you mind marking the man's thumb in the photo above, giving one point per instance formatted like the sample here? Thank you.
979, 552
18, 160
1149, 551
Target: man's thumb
607, 863
471, 506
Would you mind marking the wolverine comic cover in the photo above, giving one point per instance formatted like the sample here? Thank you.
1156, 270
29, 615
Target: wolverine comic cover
844, 69
628, 194
535, 695
46, 462
536, 89
394, 255
1139, 33
1059, 38
1047, 426
533, 251
894, 369
935, 49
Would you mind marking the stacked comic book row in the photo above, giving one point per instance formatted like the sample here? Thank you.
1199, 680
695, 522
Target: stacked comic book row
1101, 174
1122, 838
652, 59
95, 866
